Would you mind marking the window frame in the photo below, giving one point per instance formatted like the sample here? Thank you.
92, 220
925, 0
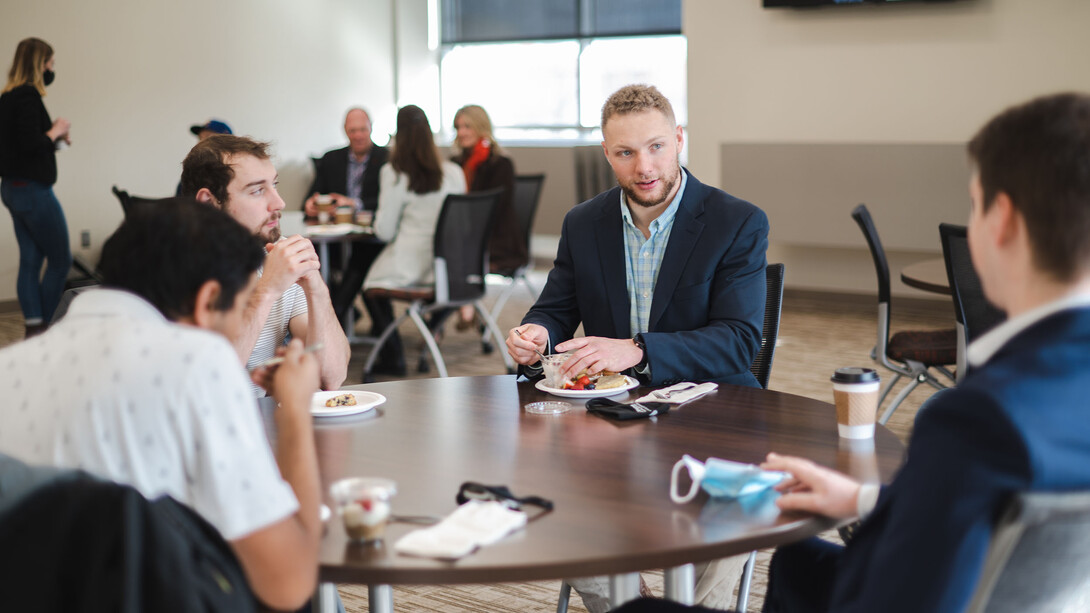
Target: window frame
584, 134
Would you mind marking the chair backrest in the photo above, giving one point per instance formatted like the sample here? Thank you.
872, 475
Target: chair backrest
881, 266
762, 364
66, 300
461, 245
525, 199
1039, 556
971, 308
130, 203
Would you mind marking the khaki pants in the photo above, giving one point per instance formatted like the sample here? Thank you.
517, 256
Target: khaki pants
714, 589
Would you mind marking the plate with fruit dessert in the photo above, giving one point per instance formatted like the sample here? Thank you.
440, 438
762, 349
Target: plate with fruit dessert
591, 386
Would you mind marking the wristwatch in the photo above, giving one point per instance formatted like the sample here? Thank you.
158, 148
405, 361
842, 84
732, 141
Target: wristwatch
638, 340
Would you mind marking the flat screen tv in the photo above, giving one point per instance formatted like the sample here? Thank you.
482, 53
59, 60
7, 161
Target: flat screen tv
812, 3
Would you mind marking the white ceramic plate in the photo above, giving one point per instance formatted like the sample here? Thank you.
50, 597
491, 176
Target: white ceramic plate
365, 401
613, 391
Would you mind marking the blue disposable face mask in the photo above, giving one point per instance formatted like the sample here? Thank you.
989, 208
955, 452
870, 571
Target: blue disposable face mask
722, 478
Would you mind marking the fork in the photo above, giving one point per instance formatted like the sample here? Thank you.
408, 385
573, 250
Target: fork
666, 394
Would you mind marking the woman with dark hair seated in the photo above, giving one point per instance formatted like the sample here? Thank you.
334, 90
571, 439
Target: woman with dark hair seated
412, 188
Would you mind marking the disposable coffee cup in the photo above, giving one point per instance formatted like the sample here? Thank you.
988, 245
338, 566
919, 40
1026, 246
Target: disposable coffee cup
855, 391
345, 214
325, 208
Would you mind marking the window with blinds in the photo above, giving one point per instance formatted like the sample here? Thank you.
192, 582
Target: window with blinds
543, 68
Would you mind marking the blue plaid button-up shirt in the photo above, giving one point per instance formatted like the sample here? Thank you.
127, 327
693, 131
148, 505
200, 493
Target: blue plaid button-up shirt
643, 258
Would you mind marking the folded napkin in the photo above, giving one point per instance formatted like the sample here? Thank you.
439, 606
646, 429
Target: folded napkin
722, 478
472, 525
682, 392
604, 407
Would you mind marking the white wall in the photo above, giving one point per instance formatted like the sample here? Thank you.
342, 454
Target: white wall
911, 73
132, 77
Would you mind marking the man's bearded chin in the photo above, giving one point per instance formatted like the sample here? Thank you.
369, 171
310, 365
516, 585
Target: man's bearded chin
667, 189
272, 235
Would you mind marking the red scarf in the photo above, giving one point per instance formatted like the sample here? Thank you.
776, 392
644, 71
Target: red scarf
480, 153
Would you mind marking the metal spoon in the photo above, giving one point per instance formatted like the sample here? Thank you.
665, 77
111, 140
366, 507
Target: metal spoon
539, 354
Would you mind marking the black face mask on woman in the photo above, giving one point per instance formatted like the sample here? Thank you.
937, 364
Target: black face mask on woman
48, 76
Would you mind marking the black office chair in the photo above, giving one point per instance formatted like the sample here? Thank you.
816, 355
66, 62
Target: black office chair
762, 369
130, 203
911, 353
461, 262
974, 314
525, 199
66, 300
1039, 556
72, 542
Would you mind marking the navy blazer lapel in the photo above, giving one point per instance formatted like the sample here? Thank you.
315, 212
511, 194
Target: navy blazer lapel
610, 239
683, 236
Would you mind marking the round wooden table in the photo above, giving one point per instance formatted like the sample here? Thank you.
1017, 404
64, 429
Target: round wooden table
928, 275
609, 480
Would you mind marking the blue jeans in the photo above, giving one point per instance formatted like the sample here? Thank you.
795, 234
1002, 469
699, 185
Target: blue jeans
42, 234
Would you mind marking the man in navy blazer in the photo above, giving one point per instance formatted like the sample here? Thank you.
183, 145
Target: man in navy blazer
666, 276
1019, 421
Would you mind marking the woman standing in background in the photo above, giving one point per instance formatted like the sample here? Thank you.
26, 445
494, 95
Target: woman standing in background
28, 165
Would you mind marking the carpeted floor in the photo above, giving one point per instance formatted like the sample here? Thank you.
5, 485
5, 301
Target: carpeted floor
818, 333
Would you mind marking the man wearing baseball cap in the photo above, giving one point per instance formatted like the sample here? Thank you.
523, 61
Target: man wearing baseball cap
214, 126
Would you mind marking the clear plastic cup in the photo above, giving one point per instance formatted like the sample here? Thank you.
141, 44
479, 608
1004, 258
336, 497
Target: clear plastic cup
551, 364
364, 505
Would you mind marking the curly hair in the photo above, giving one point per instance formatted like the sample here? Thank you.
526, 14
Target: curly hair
635, 99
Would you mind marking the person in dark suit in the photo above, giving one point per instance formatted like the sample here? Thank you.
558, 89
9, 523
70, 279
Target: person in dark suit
349, 174
1019, 421
666, 276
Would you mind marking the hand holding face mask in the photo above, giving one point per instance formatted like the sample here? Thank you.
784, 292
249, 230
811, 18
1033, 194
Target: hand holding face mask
722, 478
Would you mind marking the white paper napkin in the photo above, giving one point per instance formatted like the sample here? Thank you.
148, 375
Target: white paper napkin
680, 393
472, 525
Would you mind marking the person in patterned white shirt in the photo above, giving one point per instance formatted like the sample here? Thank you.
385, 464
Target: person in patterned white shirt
138, 383
235, 174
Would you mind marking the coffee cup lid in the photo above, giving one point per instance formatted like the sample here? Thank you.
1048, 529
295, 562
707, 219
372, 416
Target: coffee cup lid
854, 374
